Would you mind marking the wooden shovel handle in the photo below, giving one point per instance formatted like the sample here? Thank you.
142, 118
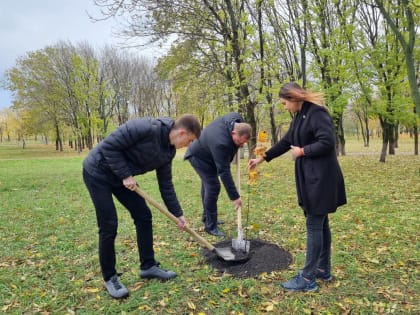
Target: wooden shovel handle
238, 187
238, 173
166, 212
239, 218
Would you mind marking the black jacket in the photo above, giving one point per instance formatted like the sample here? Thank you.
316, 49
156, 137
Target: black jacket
216, 149
319, 181
136, 147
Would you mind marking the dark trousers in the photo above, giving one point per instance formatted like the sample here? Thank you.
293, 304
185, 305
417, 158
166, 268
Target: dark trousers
106, 215
318, 245
210, 189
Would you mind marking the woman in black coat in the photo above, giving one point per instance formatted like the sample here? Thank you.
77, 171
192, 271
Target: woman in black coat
319, 181
136, 147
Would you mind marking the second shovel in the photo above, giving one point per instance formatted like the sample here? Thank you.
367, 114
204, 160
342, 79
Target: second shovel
239, 243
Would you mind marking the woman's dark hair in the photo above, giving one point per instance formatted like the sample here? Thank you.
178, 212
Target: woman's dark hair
293, 91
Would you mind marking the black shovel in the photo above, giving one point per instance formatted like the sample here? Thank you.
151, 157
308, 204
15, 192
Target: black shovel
224, 253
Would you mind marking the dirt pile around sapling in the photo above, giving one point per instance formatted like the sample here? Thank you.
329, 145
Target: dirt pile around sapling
263, 257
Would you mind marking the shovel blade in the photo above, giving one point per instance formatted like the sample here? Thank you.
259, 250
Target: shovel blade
240, 244
225, 253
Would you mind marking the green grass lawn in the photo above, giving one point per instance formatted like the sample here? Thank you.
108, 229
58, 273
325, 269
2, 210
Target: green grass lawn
49, 264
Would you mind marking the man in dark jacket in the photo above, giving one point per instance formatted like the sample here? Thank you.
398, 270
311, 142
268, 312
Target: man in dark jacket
210, 156
136, 147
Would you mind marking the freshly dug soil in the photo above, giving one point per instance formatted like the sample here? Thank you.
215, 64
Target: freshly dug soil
262, 257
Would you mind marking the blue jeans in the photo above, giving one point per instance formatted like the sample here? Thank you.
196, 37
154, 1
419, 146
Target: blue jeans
106, 215
318, 245
210, 189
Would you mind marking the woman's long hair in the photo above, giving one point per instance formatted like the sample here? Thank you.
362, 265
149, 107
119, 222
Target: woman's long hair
293, 91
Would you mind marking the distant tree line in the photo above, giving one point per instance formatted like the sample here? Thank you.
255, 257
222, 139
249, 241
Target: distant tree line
83, 94
233, 55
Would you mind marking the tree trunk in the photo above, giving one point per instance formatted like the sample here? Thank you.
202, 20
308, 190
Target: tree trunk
58, 141
340, 139
250, 118
392, 139
273, 127
367, 132
79, 145
383, 151
387, 135
362, 130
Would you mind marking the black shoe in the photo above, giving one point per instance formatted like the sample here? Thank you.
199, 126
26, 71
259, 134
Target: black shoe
156, 272
215, 232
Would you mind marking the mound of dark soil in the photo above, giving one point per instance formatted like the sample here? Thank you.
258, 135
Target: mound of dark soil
262, 257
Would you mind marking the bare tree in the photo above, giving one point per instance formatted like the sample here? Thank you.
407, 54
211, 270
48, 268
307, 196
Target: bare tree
220, 25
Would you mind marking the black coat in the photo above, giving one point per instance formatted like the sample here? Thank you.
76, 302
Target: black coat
136, 147
216, 150
319, 181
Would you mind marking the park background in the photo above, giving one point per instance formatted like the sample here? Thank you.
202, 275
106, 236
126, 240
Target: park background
224, 56
49, 262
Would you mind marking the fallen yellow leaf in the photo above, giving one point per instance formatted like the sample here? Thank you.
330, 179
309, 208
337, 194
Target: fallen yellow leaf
136, 286
144, 308
214, 278
191, 306
270, 308
92, 290
226, 290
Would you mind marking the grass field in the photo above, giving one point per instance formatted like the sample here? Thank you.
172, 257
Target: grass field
49, 264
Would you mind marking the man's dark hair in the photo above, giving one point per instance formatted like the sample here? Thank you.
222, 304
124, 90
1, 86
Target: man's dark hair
190, 123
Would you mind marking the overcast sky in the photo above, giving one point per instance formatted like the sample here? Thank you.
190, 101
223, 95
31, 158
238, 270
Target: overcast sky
29, 25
